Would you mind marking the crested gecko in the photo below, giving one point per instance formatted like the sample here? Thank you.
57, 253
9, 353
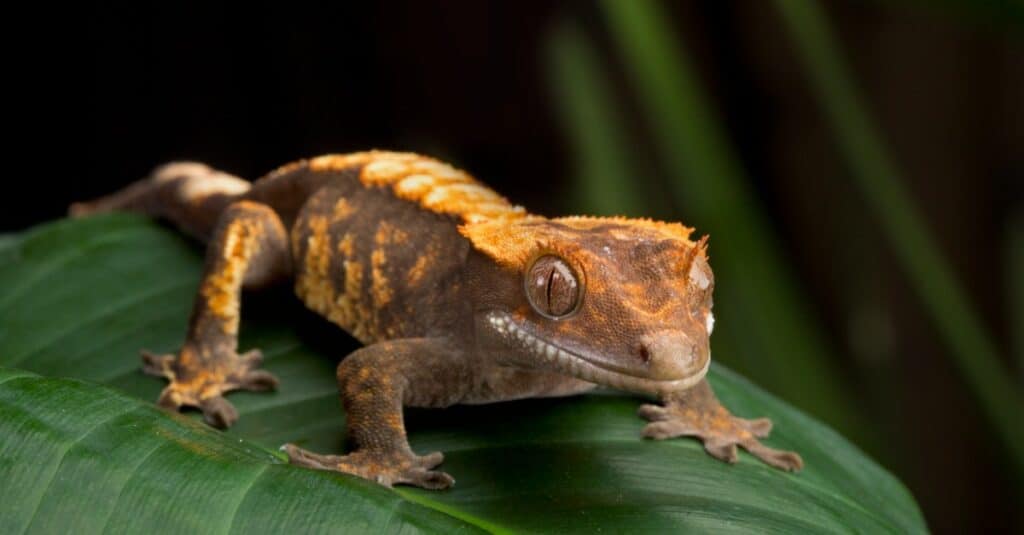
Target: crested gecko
457, 295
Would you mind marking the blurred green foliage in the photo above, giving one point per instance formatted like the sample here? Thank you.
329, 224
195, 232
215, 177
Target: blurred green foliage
1014, 281
1004, 13
973, 351
601, 148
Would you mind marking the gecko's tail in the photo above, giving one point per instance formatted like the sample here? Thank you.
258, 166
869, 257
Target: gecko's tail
189, 194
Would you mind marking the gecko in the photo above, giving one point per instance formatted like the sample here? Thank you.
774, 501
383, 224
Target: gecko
457, 295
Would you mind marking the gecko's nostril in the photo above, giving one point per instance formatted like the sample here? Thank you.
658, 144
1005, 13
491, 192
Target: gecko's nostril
672, 354
644, 353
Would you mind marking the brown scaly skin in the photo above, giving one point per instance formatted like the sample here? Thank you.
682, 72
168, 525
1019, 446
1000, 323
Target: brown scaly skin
458, 296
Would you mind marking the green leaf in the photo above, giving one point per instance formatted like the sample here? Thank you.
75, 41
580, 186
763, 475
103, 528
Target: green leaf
81, 297
83, 458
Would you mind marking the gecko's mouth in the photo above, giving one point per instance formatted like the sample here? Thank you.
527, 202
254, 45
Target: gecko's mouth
556, 358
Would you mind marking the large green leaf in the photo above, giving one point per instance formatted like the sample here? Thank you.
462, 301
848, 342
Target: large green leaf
80, 298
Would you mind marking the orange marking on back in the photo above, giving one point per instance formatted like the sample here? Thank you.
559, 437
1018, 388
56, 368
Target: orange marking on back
431, 184
388, 234
380, 289
342, 209
341, 162
347, 311
419, 268
313, 284
346, 245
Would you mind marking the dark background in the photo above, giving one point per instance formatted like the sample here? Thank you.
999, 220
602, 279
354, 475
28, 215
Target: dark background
248, 89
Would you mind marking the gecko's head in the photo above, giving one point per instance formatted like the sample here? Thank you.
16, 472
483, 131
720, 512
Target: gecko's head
620, 302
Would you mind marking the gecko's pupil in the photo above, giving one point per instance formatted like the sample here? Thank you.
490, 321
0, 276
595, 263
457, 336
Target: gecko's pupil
551, 286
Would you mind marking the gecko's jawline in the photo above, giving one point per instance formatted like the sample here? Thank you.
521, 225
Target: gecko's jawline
575, 365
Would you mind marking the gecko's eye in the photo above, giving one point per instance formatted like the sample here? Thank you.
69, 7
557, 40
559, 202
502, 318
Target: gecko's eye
552, 287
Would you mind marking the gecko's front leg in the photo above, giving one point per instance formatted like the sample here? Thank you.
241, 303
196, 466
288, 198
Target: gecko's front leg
248, 248
375, 383
697, 412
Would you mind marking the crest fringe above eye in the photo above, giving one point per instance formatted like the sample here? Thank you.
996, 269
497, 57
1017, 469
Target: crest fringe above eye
512, 241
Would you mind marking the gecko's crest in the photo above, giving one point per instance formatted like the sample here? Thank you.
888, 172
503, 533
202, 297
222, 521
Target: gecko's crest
513, 242
499, 229
433, 185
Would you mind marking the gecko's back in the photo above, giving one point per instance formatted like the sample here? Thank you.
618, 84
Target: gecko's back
373, 235
374, 238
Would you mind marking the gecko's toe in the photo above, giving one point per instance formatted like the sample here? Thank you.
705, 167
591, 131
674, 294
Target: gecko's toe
427, 479
431, 460
258, 381
661, 430
251, 359
218, 412
722, 450
169, 399
653, 413
789, 461
759, 427
302, 457
158, 365
248, 376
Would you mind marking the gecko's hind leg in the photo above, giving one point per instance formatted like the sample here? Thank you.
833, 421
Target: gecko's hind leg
248, 248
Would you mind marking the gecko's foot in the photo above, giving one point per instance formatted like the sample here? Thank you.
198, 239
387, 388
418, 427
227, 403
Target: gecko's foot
204, 387
388, 469
720, 432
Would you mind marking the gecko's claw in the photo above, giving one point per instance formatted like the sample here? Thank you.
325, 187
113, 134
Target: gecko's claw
388, 469
205, 388
719, 431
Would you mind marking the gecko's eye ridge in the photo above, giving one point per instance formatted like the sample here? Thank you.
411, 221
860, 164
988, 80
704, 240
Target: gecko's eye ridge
552, 287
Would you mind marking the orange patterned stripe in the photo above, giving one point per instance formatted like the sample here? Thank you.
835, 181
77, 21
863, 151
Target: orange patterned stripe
433, 185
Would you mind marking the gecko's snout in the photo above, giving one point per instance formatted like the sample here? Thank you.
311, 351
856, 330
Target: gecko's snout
673, 355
